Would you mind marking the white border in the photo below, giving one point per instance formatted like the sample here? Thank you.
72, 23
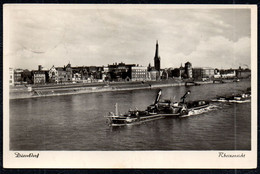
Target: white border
131, 159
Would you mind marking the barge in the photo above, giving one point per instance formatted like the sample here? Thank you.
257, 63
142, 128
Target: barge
159, 109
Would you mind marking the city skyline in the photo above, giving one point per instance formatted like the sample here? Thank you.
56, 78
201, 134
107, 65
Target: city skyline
217, 38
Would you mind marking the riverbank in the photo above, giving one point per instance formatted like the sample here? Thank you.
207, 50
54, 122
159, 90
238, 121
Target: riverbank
70, 89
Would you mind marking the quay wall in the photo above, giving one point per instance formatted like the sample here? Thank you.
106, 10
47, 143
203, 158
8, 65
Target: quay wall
42, 91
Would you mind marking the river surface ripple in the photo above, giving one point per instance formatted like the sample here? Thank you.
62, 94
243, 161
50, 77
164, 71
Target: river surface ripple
76, 122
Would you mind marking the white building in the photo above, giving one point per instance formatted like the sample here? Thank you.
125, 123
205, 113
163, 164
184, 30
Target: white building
11, 76
139, 73
230, 74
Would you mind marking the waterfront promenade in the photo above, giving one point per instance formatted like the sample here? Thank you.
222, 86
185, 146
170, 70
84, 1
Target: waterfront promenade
31, 91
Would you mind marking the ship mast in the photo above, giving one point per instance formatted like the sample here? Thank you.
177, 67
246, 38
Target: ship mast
116, 109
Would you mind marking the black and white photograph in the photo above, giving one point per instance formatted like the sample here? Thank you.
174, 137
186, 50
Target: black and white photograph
140, 82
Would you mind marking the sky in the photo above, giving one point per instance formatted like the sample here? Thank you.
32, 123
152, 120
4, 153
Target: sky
217, 38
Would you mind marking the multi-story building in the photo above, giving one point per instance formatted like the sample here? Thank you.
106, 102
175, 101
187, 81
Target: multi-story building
121, 71
95, 72
68, 70
82, 70
139, 73
57, 74
153, 75
203, 73
53, 75
18, 76
40, 76
188, 70
87, 73
61, 74
76, 77
27, 76
227, 73
164, 74
11, 76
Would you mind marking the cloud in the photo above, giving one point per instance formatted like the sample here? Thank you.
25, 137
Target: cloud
103, 36
219, 52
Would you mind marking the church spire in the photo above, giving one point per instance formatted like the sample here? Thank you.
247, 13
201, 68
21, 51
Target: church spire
157, 61
157, 49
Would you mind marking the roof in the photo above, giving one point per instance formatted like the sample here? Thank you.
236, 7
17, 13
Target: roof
59, 68
139, 67
203, 68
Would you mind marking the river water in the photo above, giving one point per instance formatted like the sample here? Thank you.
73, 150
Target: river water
76, 122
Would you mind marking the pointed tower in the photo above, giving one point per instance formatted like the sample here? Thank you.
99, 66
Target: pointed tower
149, 68
157, 59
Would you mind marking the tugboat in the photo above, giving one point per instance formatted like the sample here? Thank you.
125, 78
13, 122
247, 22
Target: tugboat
159, 109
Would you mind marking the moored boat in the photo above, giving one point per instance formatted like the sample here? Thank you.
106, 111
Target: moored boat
238, 98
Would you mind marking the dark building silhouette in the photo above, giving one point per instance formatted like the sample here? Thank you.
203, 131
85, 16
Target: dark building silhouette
188, 70
243, 73
203, 74
157, 59
182, 72
149, 68
120, 71
176, 72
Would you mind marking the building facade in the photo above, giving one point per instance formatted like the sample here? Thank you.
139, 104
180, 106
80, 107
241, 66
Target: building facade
227, 73
120, 72
39, 77
188, 70
61, 74
18, 76
11, 76
203, 73
68, 76
82, 70
153, 75
53, 75
164, 74
139, 73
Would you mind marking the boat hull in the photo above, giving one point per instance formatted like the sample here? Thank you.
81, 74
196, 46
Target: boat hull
122, 121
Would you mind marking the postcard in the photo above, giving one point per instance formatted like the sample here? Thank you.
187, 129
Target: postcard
130, 86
